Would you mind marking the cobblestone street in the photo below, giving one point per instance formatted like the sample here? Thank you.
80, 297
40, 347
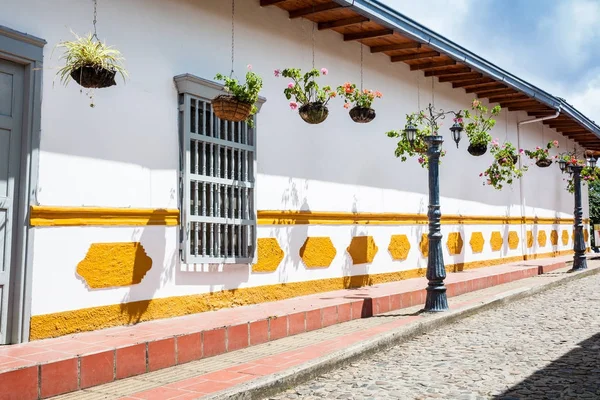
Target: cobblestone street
543, 347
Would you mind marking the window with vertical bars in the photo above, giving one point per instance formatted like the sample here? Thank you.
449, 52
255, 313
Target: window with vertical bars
217, 185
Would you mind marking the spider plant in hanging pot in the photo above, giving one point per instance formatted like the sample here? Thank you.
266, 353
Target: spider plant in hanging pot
478, 127
542, 156
90, 62
411, 141
361, 111
504, 169
238, 104
306, 95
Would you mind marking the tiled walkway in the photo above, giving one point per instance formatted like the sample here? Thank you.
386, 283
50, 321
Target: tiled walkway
50, 367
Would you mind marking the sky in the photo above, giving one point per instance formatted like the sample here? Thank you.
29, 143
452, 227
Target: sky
552, 44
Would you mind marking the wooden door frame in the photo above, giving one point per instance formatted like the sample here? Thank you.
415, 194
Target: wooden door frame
28, 51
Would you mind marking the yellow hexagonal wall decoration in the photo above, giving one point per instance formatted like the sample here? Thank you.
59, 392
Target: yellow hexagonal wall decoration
565, 237
529, 239
554, 237
477, 241
424, 245
362, 249
513, 240
542, 238
269, 255
399, 247
496, 241
317, 252
455, 243
586, 234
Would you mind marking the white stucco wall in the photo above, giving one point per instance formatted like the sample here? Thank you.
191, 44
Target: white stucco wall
124, 152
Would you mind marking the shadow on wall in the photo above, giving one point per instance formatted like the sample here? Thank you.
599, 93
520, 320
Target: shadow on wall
574, 375
153, 239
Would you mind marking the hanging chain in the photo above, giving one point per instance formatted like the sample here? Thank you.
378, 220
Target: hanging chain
95, 18
232, 35
418, 93
361, 61
505, 126
433, 90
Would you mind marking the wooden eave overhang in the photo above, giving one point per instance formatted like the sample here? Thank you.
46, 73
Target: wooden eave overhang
384, 30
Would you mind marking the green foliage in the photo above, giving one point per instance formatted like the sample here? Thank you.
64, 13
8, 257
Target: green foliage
87, 52
540, 153
351, 95
588, 175
504, 169
419, 147
594, 200
304, 89
481, 122
244, 93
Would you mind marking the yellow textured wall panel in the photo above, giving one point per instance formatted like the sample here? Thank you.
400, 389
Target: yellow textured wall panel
477, 241
362, 249
513, 240
424, 245
529, 239
317, 252
399, 247
114, 264
586, 234
542, 238
455, 243
269, 255
554, 237
496, 241
565, 237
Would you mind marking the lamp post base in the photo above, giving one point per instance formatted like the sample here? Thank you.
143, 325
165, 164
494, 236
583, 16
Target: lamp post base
436, 301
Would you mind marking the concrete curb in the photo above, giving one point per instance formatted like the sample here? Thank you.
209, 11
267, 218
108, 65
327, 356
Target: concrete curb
275, 383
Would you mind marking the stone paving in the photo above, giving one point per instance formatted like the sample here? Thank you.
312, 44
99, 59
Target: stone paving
543, 347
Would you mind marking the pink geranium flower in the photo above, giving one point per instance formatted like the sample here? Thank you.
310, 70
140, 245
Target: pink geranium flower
324, 71
277, 72
291, 85
249, 66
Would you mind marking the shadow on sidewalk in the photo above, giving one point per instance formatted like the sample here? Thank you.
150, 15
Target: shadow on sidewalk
576, 375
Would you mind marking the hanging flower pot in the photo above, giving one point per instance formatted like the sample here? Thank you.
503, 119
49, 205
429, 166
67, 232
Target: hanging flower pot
362, 100
478, 127
362, 115
314, 113
307, 94
238, 105
504, 169
94, 77
229, 108
477, 149
508, 160
544, 163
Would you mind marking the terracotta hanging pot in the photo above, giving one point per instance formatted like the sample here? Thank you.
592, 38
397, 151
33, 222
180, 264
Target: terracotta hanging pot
477, 149
229, 108
362, 115
313, 113
94, 77
544, 163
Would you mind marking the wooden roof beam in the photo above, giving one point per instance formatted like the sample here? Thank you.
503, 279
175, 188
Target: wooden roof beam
367, 34
522, 102
415, 56
472, 82
432, 64
338, 23
507, 97
265, 3
494, 92
542, 114
537, 107
485, 86
395, 46
460, 77
574, 130
312, 10
450, 71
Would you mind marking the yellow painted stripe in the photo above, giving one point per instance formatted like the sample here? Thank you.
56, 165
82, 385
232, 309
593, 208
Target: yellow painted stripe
277, 217
106, 216
101, 216
89, 319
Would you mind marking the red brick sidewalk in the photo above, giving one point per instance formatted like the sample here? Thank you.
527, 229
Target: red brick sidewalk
47, 368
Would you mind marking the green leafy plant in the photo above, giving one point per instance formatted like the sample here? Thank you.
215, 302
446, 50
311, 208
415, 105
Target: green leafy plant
304, 89
540, 153
404, 149
504, 169
244, 92
352, 96
481, 122
85, 51
588, 175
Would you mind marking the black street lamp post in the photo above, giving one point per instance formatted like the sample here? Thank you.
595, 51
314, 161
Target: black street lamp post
579, 259
436, 271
